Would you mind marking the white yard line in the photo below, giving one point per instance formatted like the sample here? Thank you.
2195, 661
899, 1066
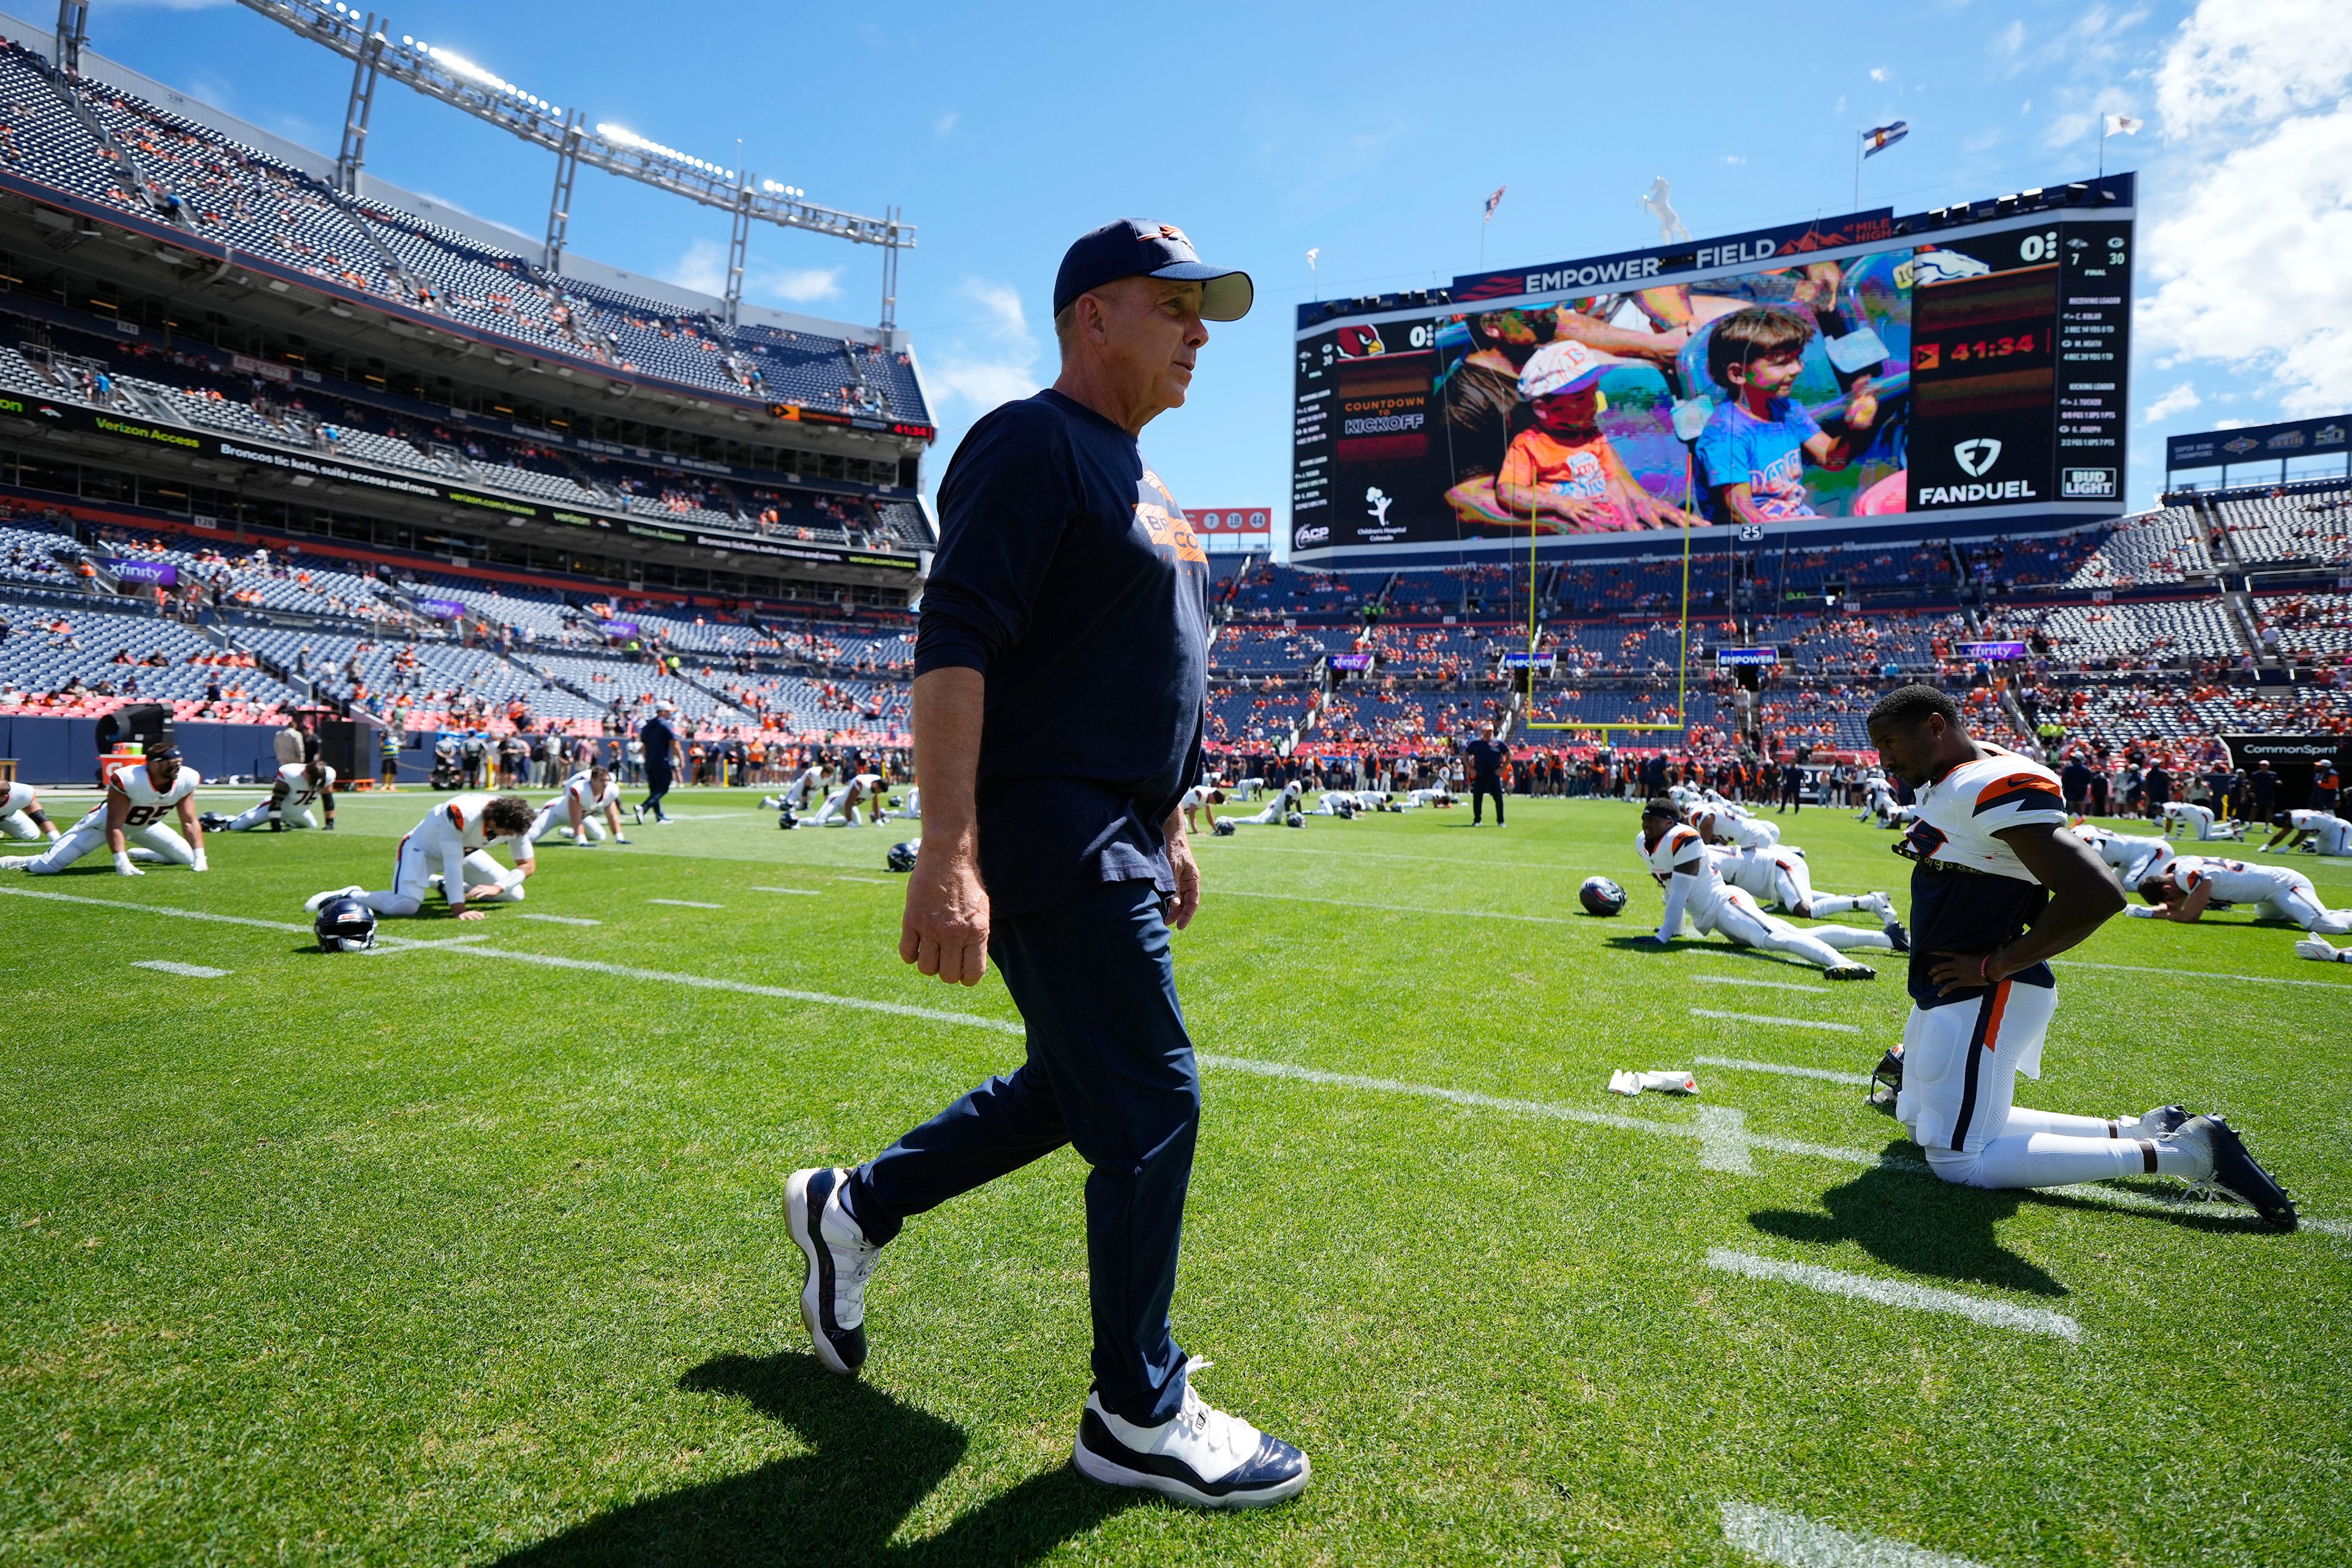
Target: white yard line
191, 971
1742, 1063
685, 904
871, 881
1768, 984
560, 919
1723, 1141
2200, 974
1793, 1541
1897, 1293
2117, 1197
149, 909
1394, 909
706, 983
1784, 1023
804, 893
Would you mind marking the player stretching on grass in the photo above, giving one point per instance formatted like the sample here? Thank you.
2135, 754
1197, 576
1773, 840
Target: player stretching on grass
1997, 890
1683, 866
457, 835
139, 796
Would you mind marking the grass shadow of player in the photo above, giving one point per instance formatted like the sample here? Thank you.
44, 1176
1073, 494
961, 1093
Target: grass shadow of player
873, 1461
1638, 942
1921, 1226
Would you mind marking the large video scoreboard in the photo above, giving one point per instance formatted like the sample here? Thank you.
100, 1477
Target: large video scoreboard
1969, 362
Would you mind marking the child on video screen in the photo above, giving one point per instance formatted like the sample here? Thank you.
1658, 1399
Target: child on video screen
1562, 474
1755, 446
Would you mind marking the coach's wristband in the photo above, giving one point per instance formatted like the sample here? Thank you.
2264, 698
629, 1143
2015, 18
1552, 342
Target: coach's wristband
1984, 967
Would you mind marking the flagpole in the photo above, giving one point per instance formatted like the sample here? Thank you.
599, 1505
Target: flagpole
2103, 145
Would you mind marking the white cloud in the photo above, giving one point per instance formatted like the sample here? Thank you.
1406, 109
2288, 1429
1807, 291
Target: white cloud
703, 269
2180, 400
1878, 73
2026, 108
2253, 59
1735, 158
2011, 41
1003, 369
946, 123
2248, 264
795, 285
1841, 105
1001, 301
2232, 423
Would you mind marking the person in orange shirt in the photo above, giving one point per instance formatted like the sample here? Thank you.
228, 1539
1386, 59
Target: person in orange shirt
1563, 476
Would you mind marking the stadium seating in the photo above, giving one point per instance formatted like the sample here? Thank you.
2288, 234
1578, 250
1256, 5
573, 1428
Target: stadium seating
2299, 530
202, 183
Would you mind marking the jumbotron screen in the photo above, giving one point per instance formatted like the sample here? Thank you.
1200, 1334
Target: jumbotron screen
1971, 360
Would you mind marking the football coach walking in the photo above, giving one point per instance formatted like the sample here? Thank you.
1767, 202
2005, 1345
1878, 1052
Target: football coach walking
1060, 682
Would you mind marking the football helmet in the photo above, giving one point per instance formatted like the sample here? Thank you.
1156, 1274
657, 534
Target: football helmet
901, 857
1224, 828
1294, 820
345, 925
213, 822
1886, 1080
785, 818
1601, 896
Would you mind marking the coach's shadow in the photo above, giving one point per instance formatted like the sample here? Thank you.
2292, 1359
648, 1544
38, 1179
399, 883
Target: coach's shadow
873, 1461
1927, 1227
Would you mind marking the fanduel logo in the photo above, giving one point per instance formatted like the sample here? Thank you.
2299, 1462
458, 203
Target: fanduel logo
1956, 495
1975, 458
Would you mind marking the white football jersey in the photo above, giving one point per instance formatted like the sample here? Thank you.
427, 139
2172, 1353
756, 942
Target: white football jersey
2234, 881
581, 788
296, 777
1196, 797
1955, 818
14, 797
461, 815
148, 804
2311, 819
2135, 858
1716, 821
1679, 849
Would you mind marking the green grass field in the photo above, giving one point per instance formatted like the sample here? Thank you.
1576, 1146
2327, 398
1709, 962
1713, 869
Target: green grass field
444, 1255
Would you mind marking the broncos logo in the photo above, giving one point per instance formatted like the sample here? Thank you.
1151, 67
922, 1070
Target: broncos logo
1921, 842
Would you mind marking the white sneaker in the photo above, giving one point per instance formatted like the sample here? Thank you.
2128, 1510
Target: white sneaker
317, 901
1884, 905
840, 1259
17, 862
1199, 1455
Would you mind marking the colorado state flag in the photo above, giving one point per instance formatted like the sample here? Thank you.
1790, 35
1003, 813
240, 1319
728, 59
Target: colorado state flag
1879, 138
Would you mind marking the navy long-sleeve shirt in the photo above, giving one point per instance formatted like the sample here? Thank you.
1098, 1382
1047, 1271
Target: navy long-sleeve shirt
1068, 578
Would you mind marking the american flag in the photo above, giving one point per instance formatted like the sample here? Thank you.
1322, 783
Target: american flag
1495, 201
1879, 138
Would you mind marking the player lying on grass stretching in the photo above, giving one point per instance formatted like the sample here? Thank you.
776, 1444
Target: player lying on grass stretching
2180, 815
21, 816
302, 794
456, 835
1679, 859
1998, 889
1749, 854
139, 796
2192, 884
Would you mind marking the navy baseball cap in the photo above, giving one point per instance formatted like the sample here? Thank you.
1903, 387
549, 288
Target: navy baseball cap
1133, 248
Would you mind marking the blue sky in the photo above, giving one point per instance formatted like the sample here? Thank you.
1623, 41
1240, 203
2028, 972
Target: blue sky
1375, 137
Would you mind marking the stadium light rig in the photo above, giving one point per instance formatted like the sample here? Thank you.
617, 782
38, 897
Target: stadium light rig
366, 41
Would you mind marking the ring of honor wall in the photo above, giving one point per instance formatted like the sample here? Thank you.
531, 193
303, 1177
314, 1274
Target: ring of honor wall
1969, 365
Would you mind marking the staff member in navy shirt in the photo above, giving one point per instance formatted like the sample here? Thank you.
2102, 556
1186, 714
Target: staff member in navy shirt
1060, 669
665, 755
1485, 760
